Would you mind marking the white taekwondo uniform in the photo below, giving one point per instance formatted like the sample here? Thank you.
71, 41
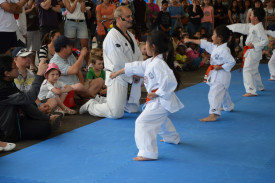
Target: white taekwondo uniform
219, 80
117, 51
154, 119
271, 63
257, 36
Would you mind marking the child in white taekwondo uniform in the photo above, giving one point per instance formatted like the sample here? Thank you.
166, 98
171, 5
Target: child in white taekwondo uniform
271, 63
160, 83
256, 40
119, 48
219, 76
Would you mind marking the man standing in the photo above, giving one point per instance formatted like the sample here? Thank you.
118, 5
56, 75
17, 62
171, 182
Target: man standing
48, 16
119, 47
71, 68
8, 26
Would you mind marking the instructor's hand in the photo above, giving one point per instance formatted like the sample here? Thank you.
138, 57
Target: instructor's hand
151, 95
113, 75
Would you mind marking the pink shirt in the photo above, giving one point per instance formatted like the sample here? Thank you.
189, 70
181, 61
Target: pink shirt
208, 12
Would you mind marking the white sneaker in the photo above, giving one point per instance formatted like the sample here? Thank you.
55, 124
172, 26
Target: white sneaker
84, 107
9, 147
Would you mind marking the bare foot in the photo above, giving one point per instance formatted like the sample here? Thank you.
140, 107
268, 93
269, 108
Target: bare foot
249, 95
211, 117
222, 109
271, 79
140, 158
161, 140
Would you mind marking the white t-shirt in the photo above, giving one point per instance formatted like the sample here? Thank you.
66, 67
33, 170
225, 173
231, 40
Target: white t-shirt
77, 14
46, 87
7, 20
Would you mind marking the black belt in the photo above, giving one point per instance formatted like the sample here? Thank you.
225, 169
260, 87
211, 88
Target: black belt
76, 20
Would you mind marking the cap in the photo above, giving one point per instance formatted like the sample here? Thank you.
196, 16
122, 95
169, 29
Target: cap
62, 42
21, 51
52, 66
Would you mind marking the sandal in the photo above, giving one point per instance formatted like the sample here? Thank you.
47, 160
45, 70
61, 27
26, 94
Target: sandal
70, 111
59, 112
8, 147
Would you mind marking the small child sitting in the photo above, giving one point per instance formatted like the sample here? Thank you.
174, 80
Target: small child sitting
181, 61
238, 48
193, 53
268, 49
52, 88
94, 51
96, 71
142, 47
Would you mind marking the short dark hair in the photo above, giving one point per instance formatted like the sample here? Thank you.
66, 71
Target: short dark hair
5, 65
62, 42
259, 13
164, 1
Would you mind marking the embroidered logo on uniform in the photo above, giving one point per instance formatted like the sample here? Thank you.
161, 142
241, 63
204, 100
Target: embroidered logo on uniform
213, 110
145, 80
126, 44
117, 45
250, 88
216, 57
151, 76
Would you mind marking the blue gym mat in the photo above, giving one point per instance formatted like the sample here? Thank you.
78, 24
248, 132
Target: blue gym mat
238, 148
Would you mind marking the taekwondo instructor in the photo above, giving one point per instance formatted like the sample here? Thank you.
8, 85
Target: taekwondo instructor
119, 47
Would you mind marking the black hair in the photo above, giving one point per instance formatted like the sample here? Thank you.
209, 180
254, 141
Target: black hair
5, 65
47, 37
164, 46
176, 33
226, 35
259, 13
164, 1
257, 1
230, 7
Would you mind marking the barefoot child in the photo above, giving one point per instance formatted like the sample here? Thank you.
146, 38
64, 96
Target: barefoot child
220, 66
255, 42
52, 88
160, 83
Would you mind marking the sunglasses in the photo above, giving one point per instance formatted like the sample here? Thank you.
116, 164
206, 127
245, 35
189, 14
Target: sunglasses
22, 51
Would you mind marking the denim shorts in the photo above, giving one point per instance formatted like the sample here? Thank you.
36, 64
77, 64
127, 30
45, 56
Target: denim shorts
75, 29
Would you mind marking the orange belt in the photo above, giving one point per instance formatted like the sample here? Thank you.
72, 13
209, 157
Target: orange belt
147, 99
210, 68
245, 48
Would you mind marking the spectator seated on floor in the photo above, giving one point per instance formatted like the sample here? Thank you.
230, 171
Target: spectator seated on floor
268, 49
70, 68
25, 78
19, 118
96, 71
181, 60
52, 88
238, 48
192, 52
47, 48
